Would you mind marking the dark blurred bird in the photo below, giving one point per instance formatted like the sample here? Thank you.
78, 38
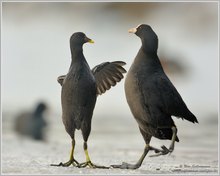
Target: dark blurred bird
152, 98
32, 124
80, 88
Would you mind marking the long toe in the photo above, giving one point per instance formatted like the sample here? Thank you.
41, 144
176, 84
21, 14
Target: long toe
75, 163
126, 166
164, 151
67, 164
81, 165
91, 165
62, 164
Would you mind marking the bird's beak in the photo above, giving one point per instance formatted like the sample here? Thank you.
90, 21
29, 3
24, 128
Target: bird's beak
132, 30
91, 41
88, 40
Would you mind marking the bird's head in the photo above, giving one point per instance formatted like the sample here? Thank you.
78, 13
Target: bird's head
147, 35
79, 38
41, 107
143, 30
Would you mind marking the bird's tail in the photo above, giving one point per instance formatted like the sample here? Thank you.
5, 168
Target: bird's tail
191, 117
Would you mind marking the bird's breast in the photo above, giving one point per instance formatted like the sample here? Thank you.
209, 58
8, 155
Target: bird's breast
77, 86
133, 94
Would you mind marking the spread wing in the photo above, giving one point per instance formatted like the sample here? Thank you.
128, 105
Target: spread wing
107, 74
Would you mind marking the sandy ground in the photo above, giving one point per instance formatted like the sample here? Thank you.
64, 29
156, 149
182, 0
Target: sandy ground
112, 141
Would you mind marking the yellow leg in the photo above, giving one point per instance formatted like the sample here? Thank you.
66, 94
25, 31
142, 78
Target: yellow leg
87, 155
71, 160
88, 160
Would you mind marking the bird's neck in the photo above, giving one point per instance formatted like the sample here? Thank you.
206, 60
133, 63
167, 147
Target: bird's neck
149, 46
77, 53
149, 57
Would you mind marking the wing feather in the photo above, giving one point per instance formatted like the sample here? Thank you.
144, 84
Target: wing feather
107, 75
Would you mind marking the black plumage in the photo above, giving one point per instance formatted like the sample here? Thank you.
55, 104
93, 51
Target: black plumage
80, 88
151, 96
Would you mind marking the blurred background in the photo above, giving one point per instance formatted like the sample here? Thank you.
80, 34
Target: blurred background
35, 51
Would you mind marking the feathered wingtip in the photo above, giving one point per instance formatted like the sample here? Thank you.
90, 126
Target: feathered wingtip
120, 63
192, 118
107, 74
195, 120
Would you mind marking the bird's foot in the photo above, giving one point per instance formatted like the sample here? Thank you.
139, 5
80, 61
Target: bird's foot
91, 165
160, 152
171, 148
126, 166
68, 163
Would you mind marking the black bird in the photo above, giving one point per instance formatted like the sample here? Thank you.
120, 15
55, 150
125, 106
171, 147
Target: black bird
32, 124
80, 88
152, 98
